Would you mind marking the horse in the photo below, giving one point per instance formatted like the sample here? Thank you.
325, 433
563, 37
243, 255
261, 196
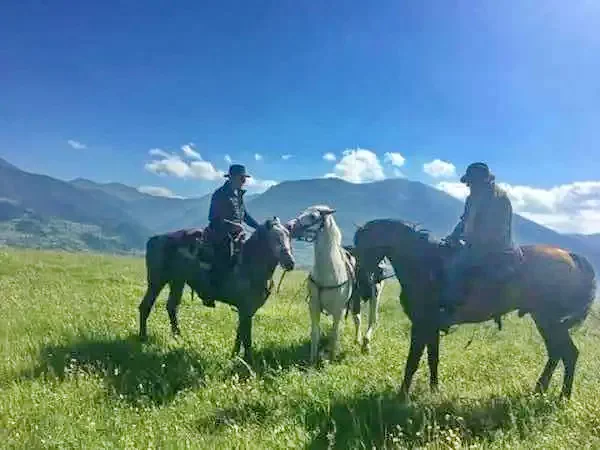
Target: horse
332, 281
554, 286
181, 258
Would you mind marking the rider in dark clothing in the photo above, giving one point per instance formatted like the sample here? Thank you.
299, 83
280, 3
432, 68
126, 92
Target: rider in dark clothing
485, 227
226, 215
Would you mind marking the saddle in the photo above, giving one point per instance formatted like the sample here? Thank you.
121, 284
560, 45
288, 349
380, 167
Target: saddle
187, 236
498, 267
194, 242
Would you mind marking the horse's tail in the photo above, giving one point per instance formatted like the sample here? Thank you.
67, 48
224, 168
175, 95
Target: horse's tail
585, 294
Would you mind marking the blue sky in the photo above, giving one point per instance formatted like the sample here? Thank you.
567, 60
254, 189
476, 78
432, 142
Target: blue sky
515, 84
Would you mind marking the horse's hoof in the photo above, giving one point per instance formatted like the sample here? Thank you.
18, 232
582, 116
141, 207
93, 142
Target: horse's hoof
564, 396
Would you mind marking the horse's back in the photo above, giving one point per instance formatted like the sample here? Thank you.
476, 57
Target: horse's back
550, 257
559, 277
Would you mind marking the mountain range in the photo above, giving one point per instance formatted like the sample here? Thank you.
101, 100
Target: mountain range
43, 212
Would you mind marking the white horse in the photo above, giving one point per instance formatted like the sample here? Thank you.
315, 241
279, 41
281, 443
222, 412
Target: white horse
332, 282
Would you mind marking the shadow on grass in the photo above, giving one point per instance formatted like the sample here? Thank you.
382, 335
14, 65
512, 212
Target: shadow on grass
381, 420
131, 370
277, 358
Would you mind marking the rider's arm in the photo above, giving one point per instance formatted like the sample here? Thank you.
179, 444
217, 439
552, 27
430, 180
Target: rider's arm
459, 228
215, 214
250, 220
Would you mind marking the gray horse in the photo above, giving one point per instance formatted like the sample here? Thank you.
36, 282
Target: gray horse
179, 258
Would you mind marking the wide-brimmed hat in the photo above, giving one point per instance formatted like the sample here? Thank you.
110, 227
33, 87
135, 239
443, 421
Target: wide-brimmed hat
477, 171
237, 170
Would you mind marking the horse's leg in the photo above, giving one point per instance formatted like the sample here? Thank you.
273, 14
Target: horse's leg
356, 318
433, 358
335, 333
373, 311
175, 292
145, 306
246, 336
315, 328
238, 341
554, 355
570, 356
417, 346
560, 346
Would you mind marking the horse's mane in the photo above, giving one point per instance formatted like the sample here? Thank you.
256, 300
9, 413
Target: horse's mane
395, 230
259, 234
336, 233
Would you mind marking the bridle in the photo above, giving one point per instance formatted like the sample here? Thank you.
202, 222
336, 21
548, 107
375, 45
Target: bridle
309, 233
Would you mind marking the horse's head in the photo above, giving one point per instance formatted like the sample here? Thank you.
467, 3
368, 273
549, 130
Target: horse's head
410, 248
278, 240
313, 221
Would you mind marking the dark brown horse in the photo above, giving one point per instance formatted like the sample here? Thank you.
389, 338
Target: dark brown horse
556, 287
177, 259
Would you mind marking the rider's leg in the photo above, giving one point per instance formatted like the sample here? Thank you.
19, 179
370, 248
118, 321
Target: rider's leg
453, 277
219, 265
452, 289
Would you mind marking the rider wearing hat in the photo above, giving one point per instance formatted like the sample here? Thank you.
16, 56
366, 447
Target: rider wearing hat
226, 215
485, 227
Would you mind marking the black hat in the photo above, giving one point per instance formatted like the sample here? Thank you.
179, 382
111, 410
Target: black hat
477, 171
237, 170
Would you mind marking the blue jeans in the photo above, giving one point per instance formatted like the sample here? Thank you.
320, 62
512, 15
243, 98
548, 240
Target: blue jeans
465, 259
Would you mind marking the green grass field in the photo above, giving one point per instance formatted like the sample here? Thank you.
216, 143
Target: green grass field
73, 374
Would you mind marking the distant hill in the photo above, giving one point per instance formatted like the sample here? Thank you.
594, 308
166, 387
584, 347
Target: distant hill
118, 190
159, 214
45, 198
84, 214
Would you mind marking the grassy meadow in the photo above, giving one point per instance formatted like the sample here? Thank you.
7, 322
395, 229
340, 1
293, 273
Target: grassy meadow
73, 374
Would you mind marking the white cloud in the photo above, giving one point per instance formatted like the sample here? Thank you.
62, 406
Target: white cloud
168, 164
394, 158
204, 170
76, 144
227, 159
398, 173
286, 157
567, 208
258, 185
455, 189
439, 169
173, 165
188, 150
358, 166
159, 152
158, 191
258, 157
329, 156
